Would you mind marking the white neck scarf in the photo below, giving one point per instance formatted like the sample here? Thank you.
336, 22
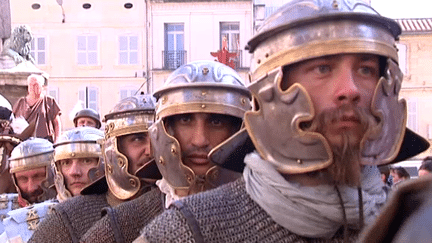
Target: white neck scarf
169, 192
311, 211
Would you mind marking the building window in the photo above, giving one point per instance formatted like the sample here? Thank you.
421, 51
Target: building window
88, 50
231, 32
230, 35
127, 92
402, 55
174, 54
38, 50
53, 92
89, 96
412, 121
128, 50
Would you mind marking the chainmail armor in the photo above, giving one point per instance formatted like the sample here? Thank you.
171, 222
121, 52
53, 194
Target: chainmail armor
70, 219
225, 214
124, 222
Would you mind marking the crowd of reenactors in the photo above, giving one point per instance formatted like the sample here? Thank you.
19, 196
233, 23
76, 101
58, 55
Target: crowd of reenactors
293, 157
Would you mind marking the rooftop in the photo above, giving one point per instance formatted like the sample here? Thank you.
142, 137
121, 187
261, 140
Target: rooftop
415, 26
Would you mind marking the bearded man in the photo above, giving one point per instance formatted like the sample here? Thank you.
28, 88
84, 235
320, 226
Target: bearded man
325, 81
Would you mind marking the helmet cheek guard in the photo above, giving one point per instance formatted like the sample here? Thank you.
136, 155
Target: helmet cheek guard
288, 147
168, 159
382, 144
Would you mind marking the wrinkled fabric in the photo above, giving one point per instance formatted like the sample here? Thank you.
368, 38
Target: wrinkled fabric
166, 189
45, 110
311, 211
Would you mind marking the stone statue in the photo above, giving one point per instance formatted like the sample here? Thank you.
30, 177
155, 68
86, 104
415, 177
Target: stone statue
18, 46
5, 20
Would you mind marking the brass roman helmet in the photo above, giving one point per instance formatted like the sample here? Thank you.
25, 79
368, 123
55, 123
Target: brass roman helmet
131, 115
31, 154
196, 87
77, 143
303, 30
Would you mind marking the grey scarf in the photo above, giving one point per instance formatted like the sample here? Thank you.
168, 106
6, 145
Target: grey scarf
311, 211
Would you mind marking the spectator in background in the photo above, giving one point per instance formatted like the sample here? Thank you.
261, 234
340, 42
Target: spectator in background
399, 174
87, 118
40, 109
425, 167
385, 174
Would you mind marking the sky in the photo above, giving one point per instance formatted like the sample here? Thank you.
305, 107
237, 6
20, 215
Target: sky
403, 8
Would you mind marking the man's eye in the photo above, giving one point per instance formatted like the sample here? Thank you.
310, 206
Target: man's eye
367, 71
184, 119
22, 179
64, 162
216, 122
322, 69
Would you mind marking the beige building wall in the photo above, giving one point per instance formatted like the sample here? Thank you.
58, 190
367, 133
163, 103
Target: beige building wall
109, 19
201, 22
417, 84
105, 19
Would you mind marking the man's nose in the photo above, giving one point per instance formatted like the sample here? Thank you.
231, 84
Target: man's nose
346, 89
75, 169
32, 186
199, 138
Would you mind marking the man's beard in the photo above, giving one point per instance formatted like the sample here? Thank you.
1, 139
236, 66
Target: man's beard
32, 197
346, 167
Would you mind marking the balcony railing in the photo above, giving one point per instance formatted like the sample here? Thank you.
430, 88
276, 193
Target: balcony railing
173, 59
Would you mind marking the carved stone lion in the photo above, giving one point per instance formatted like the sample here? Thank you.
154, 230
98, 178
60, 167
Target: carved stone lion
18, 46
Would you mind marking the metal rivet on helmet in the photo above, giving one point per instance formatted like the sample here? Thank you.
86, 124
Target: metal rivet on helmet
205, 71
161, 160
133, 182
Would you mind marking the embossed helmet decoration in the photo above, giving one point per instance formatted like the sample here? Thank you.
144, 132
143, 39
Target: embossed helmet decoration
90, 113
306, 29
77, 143
131, 115
196, 87
31, 154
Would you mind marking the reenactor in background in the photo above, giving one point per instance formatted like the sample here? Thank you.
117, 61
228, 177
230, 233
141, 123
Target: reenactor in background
39, 108
87, 118
325, 83
30, 167
200, 106
7, 143
12, 132
125, 148
78, 161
